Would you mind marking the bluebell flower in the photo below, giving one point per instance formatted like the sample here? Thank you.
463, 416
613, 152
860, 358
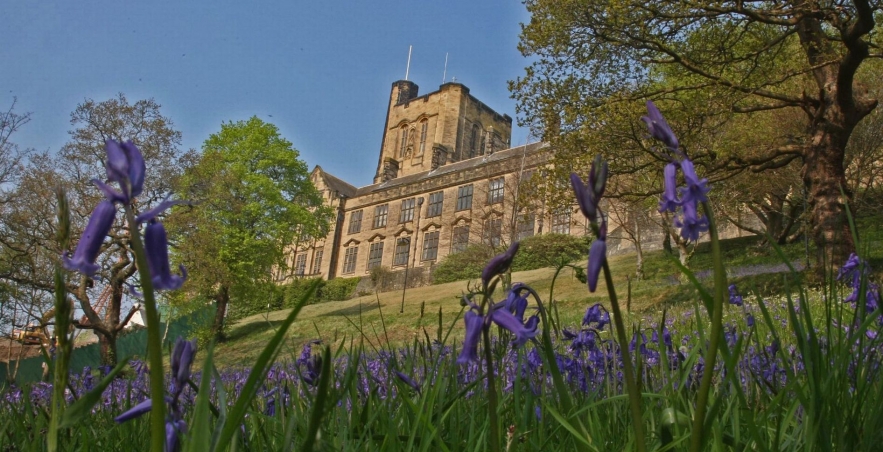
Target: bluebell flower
474, 323
690, 223
156, 246
735, 298
597, 255
125, 166
659, 128
89, 246
596, 314
696, 189
499, 264
407, 380
669, 201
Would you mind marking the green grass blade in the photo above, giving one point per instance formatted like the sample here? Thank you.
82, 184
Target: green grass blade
259, 371
201, 426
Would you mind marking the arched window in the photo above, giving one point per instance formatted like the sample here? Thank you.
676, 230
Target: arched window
474, 141
424, 125
404, 144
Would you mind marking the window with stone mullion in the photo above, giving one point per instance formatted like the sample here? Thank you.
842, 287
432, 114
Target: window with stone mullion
430, 246
403, 248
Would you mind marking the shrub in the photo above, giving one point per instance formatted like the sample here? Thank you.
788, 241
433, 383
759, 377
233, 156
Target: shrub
335, 290
464, 265
548, 250
338, 289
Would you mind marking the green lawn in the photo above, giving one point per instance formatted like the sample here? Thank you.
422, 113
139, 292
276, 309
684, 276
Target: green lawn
375, 319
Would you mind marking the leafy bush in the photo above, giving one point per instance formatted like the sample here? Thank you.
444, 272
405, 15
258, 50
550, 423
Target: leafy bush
466, 264
548, 250
539, 251
338, 289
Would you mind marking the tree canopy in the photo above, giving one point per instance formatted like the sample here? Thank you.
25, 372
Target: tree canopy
719, 59
252, 199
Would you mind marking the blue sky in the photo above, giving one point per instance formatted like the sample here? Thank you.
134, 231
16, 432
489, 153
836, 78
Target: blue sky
319, 70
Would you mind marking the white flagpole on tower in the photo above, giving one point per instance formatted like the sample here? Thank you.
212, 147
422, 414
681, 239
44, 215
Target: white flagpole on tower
408, 68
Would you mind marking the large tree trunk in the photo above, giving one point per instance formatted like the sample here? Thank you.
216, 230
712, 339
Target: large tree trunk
221, 300
108, 347
825, 180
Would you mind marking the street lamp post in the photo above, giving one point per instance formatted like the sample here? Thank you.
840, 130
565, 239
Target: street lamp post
413, 255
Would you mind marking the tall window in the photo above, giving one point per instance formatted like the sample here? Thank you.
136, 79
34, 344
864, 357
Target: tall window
495, 191
460, 239
430, 246
464, 197
349, 259
403, 247
317, 262
526, 225
493, 231
403, 134
424, 125
407, 211
300, 264
474, 141
435, 204
375, 255
355, 222
380, 213
561, 221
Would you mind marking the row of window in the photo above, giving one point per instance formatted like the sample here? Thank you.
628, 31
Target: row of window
492, 235
401, 254
434, 208
300, 263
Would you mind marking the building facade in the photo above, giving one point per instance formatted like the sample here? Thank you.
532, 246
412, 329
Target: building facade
446, 178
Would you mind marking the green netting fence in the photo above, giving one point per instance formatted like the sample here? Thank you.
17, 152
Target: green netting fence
132, 344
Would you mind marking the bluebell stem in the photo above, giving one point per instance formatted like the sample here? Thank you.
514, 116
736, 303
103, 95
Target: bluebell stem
157, 247
499, 264
89, 246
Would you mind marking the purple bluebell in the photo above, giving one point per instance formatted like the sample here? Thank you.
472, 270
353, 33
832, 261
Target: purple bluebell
597, 256
659, 128
690, 223
89, 246
499, 264
596, 314
749, 320
735, 298
522, 331
589, 194
408, 380
125, 166
669, 201
474, 323
516, 303
696, 189
135, 411
156, 246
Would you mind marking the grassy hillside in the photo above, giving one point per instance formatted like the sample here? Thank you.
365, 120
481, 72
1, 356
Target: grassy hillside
375, 319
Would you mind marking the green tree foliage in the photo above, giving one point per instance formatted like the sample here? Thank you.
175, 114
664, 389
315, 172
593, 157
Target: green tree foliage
252, 199
715, 59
